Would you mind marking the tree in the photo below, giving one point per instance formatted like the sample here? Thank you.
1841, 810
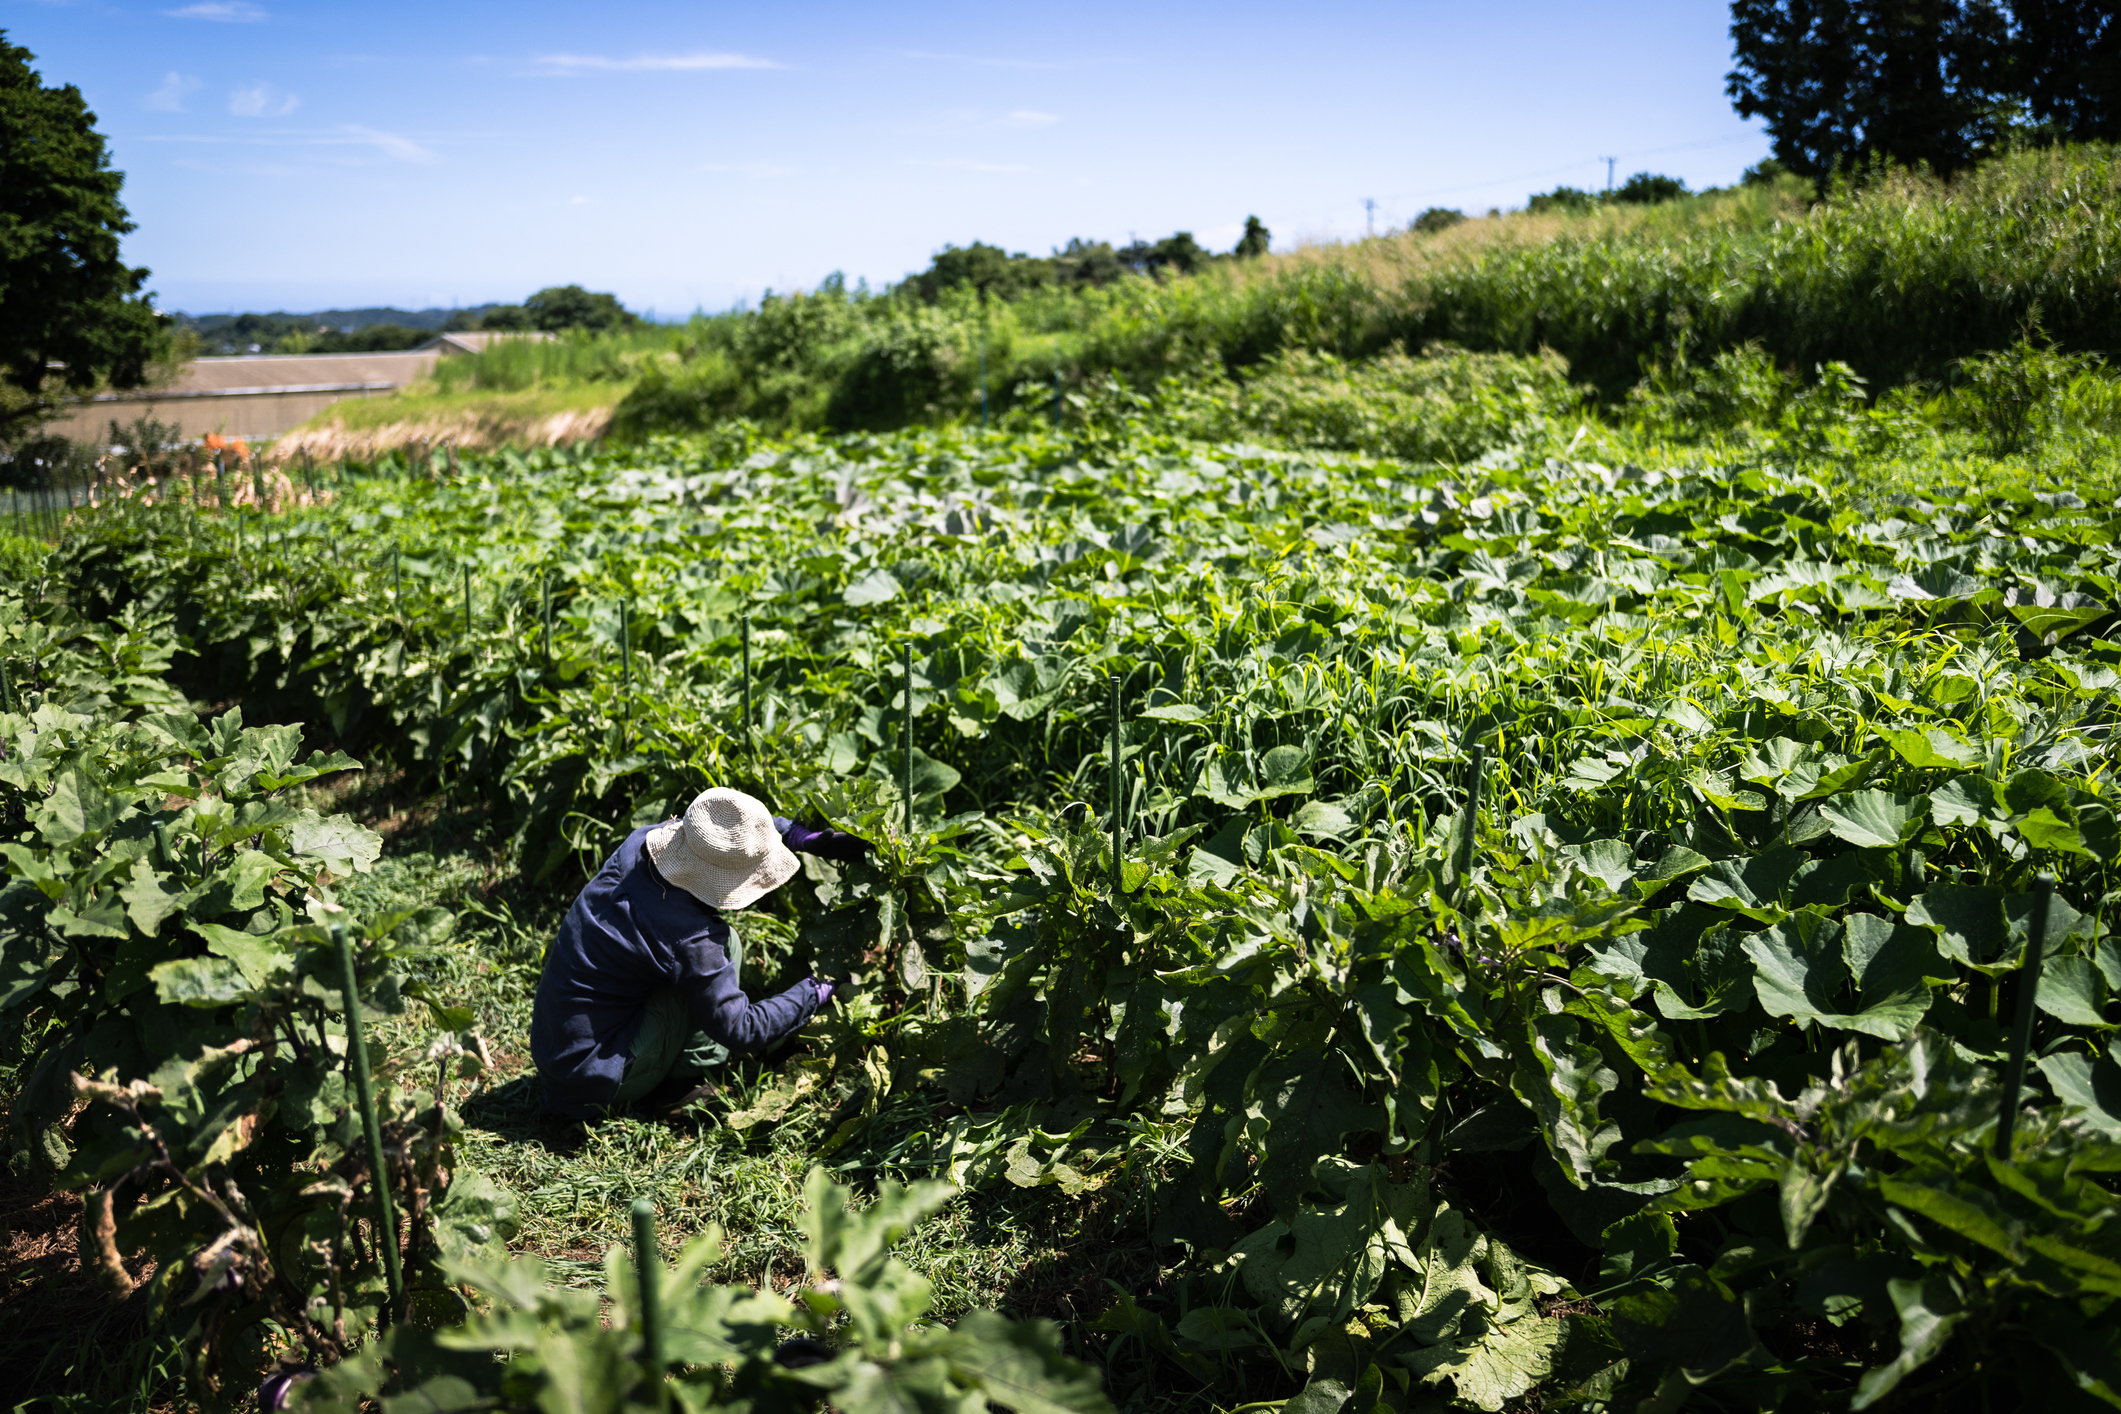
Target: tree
2067, 62
1255, 241
1648, 189
1178, 251
1438, 218
986, 268
1935, 82
71, 312
572, 307
1561, 199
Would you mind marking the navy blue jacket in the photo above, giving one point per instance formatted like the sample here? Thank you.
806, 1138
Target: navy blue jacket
628, 934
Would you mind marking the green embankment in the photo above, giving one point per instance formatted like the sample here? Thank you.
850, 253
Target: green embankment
1898, 281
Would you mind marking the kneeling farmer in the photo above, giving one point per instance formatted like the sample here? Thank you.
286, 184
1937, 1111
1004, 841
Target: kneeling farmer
641, 985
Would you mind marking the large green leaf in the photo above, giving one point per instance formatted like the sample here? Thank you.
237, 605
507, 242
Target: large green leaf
1500, 1364
2092, 1085
1874, 819
1928, 1312
1696, 1326
1562, 1078
1931, 748
879, 586
1806, 965
339, 843
1021, 1365
1968, 921
1313, 1272
1309, 1110
201, 982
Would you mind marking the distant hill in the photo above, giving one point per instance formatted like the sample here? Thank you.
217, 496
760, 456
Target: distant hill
345, 321
326, 330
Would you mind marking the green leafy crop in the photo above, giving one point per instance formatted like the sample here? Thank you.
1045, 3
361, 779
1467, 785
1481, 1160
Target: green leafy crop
1532, 930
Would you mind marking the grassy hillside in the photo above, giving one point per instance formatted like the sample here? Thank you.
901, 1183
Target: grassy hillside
1899, 281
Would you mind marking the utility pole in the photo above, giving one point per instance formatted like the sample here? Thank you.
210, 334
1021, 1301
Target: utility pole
1369, 215
1609, 161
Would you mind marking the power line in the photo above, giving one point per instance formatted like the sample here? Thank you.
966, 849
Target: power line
1436, 193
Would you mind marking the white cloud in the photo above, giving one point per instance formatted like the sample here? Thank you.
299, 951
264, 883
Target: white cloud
228, 12
346, 135
579, 200
391, 144
170, 97
262, 100
1028, 118
665, 63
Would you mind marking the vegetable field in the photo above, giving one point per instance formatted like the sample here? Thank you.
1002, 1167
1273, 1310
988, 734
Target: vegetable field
1531, 934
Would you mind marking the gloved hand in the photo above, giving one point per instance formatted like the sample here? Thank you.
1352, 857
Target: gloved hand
826, 844
824, 989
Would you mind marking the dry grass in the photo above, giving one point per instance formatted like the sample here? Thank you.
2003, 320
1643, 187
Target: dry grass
480, 421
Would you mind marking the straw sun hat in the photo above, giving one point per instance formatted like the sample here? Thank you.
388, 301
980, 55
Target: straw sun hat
725, 851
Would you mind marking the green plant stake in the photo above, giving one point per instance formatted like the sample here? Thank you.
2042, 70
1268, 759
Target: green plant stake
397, 583
364, 1095
744, 630
2022, 1033
467, 601
626, 657
1119, 875
648, 1272
7, 687
545, 587
1056, 399
1479, 766
907, 736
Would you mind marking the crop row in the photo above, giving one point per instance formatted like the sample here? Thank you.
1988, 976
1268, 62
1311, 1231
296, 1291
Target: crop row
1764, 776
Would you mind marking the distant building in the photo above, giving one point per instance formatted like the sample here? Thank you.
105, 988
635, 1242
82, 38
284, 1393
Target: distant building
464, 343
264, 395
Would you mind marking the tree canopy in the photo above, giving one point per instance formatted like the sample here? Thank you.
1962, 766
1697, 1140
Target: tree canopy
71, 312
1937, 82
571, 307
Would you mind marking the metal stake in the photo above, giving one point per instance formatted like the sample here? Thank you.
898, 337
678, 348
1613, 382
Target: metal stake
364, 1095
2022, 1034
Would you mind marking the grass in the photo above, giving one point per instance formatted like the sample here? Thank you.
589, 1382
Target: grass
1900, 280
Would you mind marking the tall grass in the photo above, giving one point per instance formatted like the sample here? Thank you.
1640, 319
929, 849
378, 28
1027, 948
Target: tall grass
514, 365
1900, 281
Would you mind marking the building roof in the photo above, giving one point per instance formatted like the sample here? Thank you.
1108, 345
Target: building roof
211, 375
468, 342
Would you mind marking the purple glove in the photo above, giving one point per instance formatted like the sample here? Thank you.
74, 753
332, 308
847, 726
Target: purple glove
824, 989
825, 844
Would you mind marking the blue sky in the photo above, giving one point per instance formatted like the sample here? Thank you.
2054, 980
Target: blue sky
299, 156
